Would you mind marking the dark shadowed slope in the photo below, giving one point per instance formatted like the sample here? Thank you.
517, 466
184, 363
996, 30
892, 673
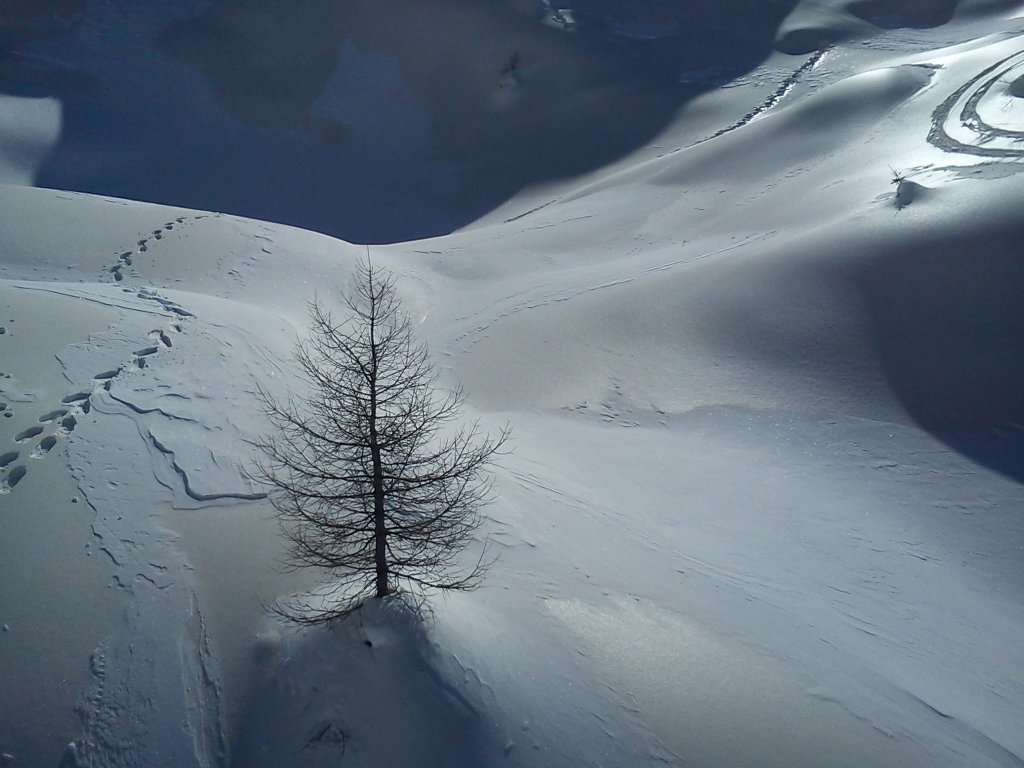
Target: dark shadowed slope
369, 121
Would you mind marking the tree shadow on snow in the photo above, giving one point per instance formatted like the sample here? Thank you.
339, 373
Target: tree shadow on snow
369, 690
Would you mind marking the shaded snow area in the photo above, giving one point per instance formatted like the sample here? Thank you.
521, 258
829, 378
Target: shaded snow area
745, 279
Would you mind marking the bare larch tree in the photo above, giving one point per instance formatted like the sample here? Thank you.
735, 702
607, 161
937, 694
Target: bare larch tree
368, 480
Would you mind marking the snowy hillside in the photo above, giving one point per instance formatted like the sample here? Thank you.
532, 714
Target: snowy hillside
744, 277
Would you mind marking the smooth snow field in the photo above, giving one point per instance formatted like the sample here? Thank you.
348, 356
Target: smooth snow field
746, 279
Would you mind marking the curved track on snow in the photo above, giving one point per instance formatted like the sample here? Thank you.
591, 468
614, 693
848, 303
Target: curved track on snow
961, 114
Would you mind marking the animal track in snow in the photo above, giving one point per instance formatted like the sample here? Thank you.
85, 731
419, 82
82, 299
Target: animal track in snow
142, 354
78, 403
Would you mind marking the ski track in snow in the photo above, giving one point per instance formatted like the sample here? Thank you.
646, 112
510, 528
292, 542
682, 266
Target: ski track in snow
168, 454
958, 115
745, 584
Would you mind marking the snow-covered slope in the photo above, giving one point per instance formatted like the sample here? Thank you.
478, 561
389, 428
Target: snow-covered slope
764, 371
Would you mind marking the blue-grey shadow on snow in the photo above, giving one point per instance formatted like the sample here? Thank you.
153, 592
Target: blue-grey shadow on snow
950, 336
372, 121
368, 689
378, 121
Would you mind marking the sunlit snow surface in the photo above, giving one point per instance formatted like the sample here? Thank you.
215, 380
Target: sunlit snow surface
764, 505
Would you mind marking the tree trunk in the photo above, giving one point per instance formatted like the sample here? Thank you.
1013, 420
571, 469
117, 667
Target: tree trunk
380, 531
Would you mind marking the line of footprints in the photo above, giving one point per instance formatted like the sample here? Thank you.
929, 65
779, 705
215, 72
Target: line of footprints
72, 407
126, 259
65, 418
